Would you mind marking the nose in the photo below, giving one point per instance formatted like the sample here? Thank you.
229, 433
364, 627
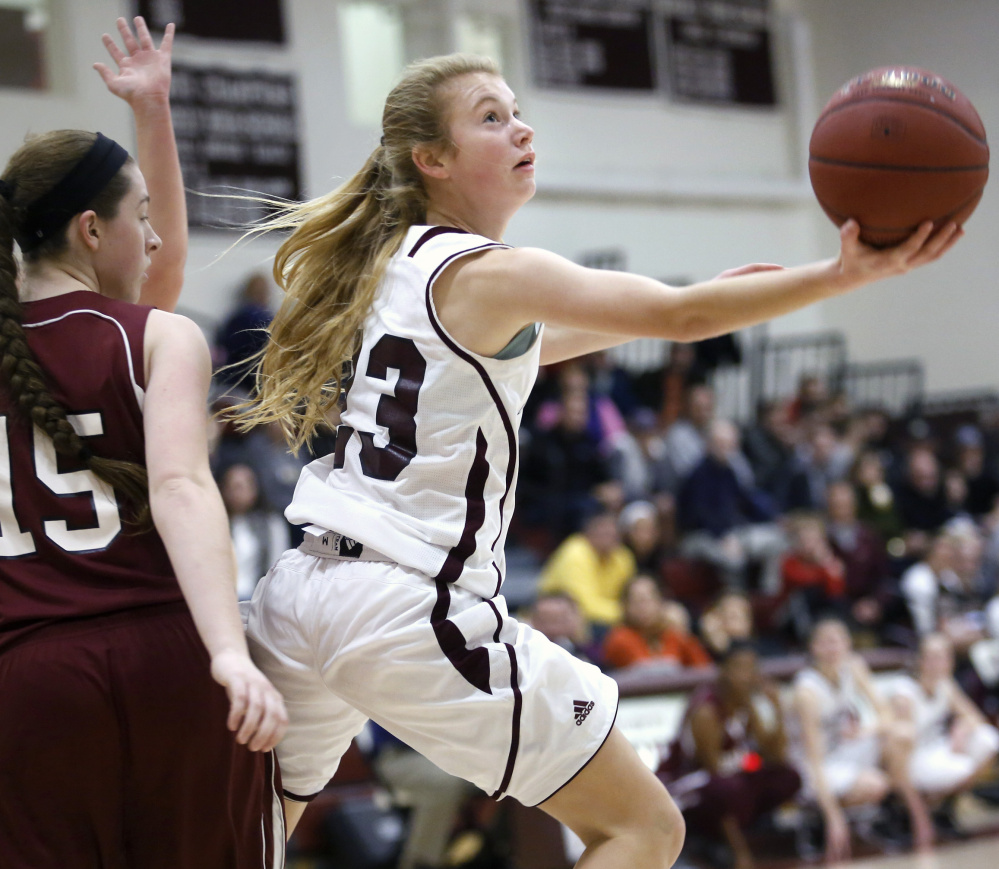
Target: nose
153, 241
525, 134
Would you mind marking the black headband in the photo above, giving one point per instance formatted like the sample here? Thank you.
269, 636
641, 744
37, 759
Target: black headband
44, 217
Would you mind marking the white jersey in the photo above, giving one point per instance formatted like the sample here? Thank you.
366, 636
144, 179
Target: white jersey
426, 454
843, 709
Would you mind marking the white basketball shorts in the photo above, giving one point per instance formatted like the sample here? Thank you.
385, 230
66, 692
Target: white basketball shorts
452, 675
935, 768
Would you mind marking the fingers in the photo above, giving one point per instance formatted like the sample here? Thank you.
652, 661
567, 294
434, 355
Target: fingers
273, 723
142, 32
166, 45
238, 701
129, 41
942, 241
117, 55
104, 72
254, 712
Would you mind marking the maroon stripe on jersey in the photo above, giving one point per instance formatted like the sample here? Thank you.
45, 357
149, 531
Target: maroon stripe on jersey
343, 433
511, 435
499, 621
473, 664
475, 513
433, 233
518, 705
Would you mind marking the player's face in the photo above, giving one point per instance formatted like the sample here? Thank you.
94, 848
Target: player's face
127, 240
492, 157
830, 643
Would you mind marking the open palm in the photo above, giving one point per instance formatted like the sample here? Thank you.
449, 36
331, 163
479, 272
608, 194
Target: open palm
143, 69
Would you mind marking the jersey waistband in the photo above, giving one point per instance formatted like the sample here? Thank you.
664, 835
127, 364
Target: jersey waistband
334, 545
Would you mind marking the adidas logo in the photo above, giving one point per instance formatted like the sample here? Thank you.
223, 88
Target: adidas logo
582, 709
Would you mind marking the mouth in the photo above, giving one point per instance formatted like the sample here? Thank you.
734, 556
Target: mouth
527, 162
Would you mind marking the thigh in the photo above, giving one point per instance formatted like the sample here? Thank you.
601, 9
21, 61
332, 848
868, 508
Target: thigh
614, 795
279, 622
61, 763
194, 796
448, 673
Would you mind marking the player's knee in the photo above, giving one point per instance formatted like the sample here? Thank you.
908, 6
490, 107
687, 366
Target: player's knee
871, 786
666, 829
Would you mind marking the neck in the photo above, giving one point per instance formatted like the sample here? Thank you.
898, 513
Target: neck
55, 278
446, 213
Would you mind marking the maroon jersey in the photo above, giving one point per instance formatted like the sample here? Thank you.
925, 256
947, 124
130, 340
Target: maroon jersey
736, 740
66, 550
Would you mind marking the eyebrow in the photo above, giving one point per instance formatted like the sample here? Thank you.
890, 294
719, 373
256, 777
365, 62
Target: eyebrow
143, 201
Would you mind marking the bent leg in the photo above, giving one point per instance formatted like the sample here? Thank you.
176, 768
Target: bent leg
620, 810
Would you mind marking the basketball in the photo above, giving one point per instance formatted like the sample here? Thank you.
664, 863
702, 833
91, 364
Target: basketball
894, 147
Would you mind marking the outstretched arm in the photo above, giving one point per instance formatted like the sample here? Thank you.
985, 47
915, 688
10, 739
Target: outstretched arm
559, 343
143, 81
485, 301
191, 519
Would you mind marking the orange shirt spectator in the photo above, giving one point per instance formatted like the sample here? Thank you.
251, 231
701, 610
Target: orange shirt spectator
651, 630
625, 646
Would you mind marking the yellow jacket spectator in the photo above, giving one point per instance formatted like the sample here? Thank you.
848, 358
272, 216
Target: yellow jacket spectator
592, 567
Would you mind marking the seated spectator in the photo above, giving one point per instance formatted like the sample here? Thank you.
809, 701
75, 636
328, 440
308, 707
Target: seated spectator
592, 567
263, 449
646, 636
641, 532
435, 799
821, 460
870, 589
639, 460
603, 419
563, 470
729, 620
876, 500
728, 523
769, 445
921, 500
728, 766
810, 398
926, 582
241, 336
981, 480
812, 577
557, 616
687, 438
955, 744
847, 757
259, 533
961, 607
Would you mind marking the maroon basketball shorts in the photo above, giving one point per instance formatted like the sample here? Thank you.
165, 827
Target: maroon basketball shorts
114, 753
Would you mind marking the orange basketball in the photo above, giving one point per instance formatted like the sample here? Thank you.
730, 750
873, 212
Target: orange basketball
894, 147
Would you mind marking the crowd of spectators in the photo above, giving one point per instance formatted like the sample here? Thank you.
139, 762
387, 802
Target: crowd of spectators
812, 509
667, 536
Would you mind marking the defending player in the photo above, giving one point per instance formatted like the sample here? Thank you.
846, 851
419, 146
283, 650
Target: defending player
119, 633
391, 609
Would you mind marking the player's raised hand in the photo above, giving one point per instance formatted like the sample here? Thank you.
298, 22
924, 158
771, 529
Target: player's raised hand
143, 69
256, 709
861, 264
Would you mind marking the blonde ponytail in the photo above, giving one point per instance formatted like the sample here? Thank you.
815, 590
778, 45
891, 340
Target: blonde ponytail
339, 248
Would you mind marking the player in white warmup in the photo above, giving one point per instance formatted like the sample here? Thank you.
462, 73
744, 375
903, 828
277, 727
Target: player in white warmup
391, 609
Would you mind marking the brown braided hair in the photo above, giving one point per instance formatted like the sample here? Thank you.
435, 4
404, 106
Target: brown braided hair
33, 170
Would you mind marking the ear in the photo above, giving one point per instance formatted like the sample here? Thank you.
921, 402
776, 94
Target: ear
88, 228
428, 160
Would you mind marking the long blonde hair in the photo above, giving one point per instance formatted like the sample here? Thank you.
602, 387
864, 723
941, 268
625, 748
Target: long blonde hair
338, 251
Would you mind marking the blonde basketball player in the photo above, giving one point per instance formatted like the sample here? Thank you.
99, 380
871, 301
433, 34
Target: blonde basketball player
391, 609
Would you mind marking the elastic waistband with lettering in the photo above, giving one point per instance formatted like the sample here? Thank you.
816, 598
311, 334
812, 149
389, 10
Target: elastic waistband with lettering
333, 545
